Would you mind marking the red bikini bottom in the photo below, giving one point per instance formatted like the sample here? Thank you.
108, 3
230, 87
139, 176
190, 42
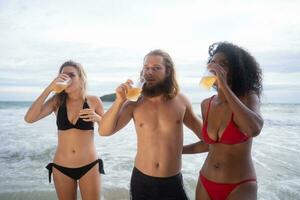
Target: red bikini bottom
220, 191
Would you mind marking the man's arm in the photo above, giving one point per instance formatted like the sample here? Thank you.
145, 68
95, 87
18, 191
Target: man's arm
198, 147
119, 114
193, 122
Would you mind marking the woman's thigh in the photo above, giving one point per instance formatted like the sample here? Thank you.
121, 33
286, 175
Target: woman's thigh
201, 193
89, 184
245, 191
66, 187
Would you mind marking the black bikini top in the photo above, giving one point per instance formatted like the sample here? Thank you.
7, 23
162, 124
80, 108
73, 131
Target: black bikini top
63, 122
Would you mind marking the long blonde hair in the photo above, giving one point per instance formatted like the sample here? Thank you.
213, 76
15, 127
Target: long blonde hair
58, 98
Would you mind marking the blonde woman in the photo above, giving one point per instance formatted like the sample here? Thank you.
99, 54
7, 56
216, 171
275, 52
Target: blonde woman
75, 160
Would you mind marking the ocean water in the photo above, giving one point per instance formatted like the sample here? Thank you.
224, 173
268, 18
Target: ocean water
25, 149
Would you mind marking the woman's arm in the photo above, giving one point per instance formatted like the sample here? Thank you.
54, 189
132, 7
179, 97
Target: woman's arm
39, 109
247, 114
95, 112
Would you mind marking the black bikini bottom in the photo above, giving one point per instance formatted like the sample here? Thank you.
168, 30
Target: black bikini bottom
75, 173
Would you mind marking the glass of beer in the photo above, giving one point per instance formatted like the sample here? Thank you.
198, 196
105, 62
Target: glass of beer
134, 92
208, 79
61, 85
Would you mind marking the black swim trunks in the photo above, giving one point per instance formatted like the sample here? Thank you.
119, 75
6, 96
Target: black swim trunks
144, 187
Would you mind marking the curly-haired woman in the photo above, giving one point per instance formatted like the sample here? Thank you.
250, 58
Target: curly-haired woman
231, 119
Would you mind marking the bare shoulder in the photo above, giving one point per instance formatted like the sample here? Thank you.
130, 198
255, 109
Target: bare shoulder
128, 107
204, 107
132, 104
94, 101
205, 102
181, 97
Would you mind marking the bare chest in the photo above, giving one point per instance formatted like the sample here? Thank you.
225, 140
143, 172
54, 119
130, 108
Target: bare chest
153, 116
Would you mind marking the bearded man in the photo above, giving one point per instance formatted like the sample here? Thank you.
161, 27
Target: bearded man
159, 115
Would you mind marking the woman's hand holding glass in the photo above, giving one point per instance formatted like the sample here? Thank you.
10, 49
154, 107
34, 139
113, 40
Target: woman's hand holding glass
89, 115
220, 74
60, 83
208, 79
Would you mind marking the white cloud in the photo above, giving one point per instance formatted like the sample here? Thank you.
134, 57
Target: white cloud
110, 36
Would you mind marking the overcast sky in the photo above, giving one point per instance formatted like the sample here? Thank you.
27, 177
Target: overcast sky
110, 39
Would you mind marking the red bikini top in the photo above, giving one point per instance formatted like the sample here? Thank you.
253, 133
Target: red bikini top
231, 134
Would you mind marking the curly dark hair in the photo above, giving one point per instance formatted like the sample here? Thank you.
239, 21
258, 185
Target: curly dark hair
245, 74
